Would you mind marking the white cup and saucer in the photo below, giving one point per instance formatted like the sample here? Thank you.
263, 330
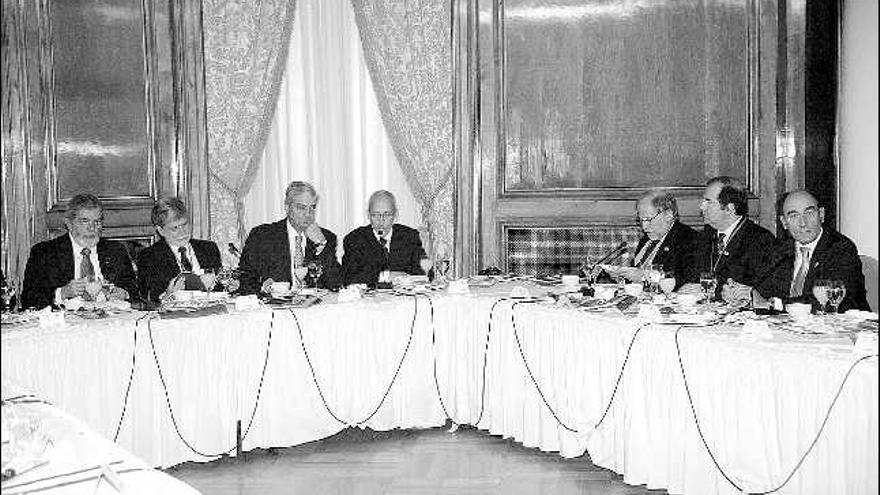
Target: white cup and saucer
279, 289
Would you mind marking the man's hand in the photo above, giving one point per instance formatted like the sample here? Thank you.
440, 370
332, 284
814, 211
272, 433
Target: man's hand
175, 284
735, 292
267, 285
76, 287
114, 293
300, 273
314, 233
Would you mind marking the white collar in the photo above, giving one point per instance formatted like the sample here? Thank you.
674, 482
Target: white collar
77, 248
729, 231
387, 235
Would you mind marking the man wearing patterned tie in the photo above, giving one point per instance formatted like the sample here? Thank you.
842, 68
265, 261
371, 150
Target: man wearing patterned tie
731, 246
282, 251
667, 243
381, 246
174, 253
813, 252
75, 264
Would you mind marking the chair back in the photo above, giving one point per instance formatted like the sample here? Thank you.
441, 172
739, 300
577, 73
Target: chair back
869, 269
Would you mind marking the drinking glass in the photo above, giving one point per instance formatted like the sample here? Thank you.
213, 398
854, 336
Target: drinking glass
208, 278
667, 284
227, 278
8, 294
708, 284
820, 292
425, 263
315, 271
652, 279
836, 293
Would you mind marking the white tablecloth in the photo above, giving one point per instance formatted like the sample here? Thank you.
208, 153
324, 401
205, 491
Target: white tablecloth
73, 455
760, 404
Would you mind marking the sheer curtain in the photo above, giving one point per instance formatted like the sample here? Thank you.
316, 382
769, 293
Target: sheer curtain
327, 128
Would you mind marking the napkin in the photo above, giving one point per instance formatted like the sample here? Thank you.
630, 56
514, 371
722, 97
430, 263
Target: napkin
459, 287
50, 319
244, 303
349, 294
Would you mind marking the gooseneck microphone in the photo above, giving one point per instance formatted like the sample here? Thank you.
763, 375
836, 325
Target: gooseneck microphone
233, 250
614, 254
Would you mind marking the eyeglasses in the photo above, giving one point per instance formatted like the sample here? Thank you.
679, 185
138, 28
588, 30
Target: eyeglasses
810, 213
86, 222
381, 215
641, 220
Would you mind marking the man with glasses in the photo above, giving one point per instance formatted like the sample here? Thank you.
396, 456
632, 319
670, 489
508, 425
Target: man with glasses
381, 246
174, 253
667, 243
80, 263
813, 252
282, 251
731, 246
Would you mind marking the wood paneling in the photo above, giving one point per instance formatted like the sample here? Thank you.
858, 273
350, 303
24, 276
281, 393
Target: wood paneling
580, 107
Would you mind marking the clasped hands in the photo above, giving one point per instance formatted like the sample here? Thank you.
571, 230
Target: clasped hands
83, 287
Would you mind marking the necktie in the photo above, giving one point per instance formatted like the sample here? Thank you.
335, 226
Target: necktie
797, 285
185, 263
719, 247
384, 242
86, 269
645, 253
297, 252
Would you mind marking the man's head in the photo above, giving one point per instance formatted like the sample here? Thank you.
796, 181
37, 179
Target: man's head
171, 220
725, 199
300, 202
85, 219
382, 209
656, 211
802, 216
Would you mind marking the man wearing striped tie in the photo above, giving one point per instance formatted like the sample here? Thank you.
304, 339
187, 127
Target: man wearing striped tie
79, 263
813, 252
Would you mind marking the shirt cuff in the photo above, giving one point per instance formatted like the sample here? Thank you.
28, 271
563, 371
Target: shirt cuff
58, 299
320, 248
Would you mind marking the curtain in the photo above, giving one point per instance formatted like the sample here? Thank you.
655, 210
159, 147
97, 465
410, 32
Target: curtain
245, 47
409, 53
327, 128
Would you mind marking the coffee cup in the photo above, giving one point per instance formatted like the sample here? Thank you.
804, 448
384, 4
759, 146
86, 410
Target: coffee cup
798, 311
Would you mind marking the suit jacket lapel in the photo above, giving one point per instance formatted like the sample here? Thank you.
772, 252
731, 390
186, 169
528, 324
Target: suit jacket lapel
66, 258
818, 257
282, 240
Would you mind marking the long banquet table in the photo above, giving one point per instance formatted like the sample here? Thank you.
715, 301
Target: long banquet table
690, 410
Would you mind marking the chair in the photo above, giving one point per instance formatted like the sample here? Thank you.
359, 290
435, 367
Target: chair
869, 269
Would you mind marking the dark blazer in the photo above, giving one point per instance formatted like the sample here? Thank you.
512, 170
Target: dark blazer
744, 259
266, 254
835, 257
51, 265
157, 265
364, 258
676, 254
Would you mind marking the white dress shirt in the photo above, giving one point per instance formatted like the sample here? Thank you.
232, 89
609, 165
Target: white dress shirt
77, 261
190, 254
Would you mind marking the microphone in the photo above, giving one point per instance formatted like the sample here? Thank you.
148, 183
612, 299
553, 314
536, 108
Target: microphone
615, 253
233, 250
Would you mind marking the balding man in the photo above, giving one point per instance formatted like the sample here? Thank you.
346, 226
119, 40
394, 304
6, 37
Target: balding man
812, 253
381, 246
281, 251
667, 243
731, 246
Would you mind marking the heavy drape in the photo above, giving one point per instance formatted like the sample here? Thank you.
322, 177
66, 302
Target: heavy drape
327, 128
409, 52
245, 48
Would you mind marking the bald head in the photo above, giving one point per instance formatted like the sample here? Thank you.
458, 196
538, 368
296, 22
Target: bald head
802, 216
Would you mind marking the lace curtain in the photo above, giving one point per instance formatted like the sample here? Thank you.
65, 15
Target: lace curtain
245, 48
408, 51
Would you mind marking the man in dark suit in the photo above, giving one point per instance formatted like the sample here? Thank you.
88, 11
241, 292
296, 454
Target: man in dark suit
174, 253
813, 252
381, 246
74, 264
282, 251
667, 243
731, 246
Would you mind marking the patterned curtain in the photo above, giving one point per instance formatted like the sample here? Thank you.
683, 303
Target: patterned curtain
409, 54
246, 44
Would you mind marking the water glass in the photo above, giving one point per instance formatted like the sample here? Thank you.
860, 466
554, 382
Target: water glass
315, 271
667, 283
708, 284
820, 292
836, 293
208, 278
